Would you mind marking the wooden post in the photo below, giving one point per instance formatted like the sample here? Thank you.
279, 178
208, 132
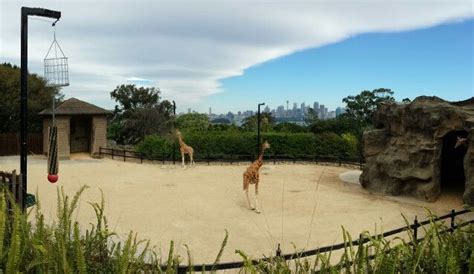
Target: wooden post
112, 153
124, 154
415, 232
453, 215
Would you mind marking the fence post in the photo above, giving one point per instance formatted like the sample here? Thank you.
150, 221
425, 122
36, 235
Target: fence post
124, 154
415, 232
274, 158
340, 161
141, 158
113, 153
100, 151
208, 159
278, 251
294, 159
453, 215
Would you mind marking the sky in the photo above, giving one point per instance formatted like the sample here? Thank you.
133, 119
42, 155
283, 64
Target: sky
233, 55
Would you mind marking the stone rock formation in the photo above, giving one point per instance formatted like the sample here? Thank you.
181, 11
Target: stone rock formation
411, 150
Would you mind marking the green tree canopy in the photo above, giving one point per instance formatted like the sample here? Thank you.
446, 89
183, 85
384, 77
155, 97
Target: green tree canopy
266, 122
192, 122
39, 98
139, 113
363, 105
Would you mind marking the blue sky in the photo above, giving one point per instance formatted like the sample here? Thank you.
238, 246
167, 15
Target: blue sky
231, 55
434, 61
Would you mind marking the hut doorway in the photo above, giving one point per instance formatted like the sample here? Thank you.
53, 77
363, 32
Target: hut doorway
452, 163
80, 134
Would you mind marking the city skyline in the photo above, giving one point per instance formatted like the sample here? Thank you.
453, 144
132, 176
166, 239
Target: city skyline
297, 113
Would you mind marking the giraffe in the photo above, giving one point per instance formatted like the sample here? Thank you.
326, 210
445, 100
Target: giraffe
460, 142
185, 149
252, 176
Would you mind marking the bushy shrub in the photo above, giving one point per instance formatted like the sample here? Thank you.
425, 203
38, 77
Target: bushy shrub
244, 143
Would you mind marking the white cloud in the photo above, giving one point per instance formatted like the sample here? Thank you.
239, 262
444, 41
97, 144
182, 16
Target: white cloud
186, 48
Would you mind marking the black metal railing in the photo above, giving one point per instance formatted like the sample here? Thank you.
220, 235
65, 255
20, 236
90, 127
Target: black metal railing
124, 154
362, 240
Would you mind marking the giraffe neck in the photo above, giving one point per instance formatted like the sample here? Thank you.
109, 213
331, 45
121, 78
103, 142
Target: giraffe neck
181, 142
259, 161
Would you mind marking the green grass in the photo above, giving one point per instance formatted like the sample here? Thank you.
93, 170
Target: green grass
29, 245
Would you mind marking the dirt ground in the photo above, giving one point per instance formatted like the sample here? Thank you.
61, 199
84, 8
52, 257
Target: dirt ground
304, 205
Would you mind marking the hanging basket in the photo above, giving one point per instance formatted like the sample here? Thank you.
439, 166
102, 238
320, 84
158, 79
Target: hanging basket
56, 70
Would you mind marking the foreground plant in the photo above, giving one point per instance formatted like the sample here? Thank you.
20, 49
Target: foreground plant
62, 247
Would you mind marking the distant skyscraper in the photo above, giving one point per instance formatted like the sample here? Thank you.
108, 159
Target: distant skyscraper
189, 110
266, 109
321, 115
210, 111
340, 111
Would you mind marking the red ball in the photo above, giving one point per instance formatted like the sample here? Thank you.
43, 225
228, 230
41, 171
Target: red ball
53, 178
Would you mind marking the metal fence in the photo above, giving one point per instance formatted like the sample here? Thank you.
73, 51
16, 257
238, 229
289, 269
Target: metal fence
362, 240
125, 155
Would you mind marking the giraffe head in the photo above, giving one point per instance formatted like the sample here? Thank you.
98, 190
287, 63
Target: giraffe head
460, 142
265, 145
178, 133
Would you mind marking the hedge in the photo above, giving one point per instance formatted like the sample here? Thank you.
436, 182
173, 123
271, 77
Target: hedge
244, 143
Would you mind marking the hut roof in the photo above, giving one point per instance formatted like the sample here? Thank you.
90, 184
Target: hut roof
75, 106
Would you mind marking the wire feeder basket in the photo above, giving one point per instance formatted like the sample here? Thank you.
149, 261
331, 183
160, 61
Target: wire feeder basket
56, 70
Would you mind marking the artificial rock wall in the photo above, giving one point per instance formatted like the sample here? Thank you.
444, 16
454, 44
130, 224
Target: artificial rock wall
403, 152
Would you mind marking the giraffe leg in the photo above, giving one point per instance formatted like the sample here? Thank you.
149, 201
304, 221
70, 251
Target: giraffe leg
248, 199
191, 159
182, 159
256, 199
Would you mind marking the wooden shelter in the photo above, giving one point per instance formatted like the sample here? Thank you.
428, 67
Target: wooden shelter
82, 127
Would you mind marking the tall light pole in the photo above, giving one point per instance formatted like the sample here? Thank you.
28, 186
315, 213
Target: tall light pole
258, 128
25, 12
174, 128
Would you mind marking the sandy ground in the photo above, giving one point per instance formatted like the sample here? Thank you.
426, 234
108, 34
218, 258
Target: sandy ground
301, 204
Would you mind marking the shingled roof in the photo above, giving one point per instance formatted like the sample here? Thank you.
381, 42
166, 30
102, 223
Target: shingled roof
75, 106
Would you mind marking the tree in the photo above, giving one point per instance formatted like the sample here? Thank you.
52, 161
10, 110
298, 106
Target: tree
39, 98
139, 113
363, 105
311, 116
289, 128
192, 122
266, 122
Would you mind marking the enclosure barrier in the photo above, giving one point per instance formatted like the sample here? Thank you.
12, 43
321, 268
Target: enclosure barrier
12, 182
124, 154
362, 240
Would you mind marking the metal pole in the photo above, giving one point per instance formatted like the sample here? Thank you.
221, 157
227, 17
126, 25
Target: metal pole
258, 128
25, 12
174, 127
24, 103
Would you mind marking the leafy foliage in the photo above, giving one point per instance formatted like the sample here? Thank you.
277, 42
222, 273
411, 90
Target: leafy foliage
362, 106
139, 113
39, 98
244, 143
35, 247
266, 122
192, 122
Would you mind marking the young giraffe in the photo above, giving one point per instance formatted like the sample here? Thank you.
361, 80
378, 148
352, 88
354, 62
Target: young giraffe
252, 176
460, 142
185, 149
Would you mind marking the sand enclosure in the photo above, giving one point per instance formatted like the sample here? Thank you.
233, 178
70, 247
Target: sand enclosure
195, 205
